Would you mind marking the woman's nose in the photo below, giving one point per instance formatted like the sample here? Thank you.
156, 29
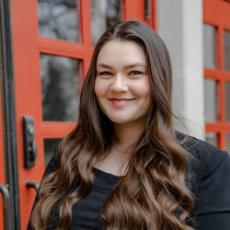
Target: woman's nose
119, 83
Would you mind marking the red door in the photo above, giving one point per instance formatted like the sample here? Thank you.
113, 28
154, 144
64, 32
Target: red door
6, 164
52, 43
217, 71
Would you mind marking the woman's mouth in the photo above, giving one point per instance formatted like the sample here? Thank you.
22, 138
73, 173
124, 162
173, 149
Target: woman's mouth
119, 102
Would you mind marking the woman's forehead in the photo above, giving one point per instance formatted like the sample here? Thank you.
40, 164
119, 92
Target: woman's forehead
120, 52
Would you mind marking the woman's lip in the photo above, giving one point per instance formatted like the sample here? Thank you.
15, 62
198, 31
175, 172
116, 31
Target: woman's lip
121, 99
119, 102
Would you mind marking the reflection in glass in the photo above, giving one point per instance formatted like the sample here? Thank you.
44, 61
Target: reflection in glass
104, 13
209, 44
50, 147
59, 19
228, 142
227, 101
211, 138
210, 100
60, 78
227, 50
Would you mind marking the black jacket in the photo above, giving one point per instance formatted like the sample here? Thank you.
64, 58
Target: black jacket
208, 177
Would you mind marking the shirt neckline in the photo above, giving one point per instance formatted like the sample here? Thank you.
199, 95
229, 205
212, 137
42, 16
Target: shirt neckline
102, 172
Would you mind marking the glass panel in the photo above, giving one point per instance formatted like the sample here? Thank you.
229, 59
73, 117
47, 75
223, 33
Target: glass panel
211, 138
209, 44
228, 142
61, 82
59, 19
104, 13
227, 50
227, 101
210, 100
50, 146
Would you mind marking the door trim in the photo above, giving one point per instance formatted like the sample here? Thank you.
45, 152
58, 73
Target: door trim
8, 107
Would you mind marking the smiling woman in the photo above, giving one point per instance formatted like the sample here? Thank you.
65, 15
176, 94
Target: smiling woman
122, 84
125, 166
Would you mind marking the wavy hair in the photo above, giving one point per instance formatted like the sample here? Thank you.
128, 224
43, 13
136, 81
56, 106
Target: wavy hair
153, 193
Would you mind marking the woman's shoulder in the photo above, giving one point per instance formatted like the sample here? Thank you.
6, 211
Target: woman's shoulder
205, 154
211, 168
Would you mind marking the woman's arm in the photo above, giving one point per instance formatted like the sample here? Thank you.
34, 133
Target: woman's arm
213, 209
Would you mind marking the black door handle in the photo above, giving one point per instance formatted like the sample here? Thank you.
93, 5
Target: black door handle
33, 184
30, 148
4, 190
147, 9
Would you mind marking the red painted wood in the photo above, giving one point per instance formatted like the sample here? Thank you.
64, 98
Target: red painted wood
217, 13
135, 9
62, 48
24, 24
217, 74
2, 174
86, 32
56, 129
216, 127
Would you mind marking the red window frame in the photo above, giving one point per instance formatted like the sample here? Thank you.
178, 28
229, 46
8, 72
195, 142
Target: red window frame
216, 13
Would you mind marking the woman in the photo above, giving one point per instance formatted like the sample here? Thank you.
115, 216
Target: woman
124, 166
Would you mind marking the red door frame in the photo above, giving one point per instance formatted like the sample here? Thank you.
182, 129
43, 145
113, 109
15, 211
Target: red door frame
27, 46
2, 173
217, 13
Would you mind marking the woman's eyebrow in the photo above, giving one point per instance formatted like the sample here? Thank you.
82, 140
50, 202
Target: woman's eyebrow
135, 65
125, 67
104, 66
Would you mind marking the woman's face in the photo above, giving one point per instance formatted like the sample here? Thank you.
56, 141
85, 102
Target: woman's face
122, 84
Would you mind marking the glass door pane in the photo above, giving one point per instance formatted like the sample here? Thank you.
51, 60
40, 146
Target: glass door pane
61, 83
104, 13
227, 101
50, 146
227, 50
210, 100
211, 138
209, 44
60, 19
227, 136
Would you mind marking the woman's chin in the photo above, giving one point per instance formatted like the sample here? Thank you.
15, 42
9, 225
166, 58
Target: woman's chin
119, 121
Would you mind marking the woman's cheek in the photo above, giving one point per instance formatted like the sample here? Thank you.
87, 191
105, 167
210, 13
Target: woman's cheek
100, 88
142, 88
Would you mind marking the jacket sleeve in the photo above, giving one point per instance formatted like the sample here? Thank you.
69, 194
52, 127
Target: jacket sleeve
213, 194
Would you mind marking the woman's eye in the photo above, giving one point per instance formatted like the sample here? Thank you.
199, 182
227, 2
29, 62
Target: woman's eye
135, 72
105, 73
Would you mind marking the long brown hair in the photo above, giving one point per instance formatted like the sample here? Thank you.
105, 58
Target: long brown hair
153, 193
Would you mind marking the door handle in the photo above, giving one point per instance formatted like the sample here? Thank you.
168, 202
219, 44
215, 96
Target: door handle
4, 190
147, 9
30, 148
33, 184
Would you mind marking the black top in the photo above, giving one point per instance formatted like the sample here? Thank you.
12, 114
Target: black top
208, 178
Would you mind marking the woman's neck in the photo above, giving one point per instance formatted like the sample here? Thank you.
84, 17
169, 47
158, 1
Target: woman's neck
117, 160
127, 134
